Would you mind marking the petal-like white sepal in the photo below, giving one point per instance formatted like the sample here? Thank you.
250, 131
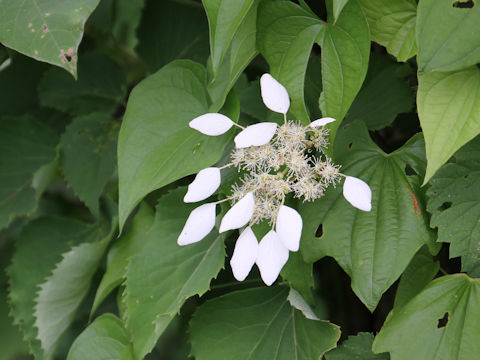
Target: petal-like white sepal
205, 184
199, 224
212, 124
289, 227
244, 255
272, 255
274, 95
322, 122
239, 214
255, 135
358, 193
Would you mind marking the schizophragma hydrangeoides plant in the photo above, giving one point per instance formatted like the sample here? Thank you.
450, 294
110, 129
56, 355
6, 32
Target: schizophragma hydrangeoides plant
277, 160
239, 179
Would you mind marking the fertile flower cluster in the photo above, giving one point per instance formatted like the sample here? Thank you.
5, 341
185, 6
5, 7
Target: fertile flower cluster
275, 161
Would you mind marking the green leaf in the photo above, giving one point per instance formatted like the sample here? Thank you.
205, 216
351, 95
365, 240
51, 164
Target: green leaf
338, 6
127, 19
374, 247
63, 291
156, 146
46, 30
454, 204
163, 274
299, 275
88, 149
120, 253
345, 52
25, 146
164, 35
357, 347
18, 85
41, 245
392, 24
454, 299
444, 35
104, 339
261, 323
101, 86
383, 96
224, 18
11, 342
286, 34
418, 274
242, 51
449, 110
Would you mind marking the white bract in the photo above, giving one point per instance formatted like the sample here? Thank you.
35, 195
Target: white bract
276, 161
199, 224
272, 255
321, 122
255, 135
239, 214
205, 184
357, 193
274, 95
289, 227
244, 254
212, 124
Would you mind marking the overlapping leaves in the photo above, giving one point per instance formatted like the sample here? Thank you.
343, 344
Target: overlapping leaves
51, 254
445, 313
258, 324
345, 53
156, 145
374, 247
162, 264
454, 201
449, 110
392, 24
25, 146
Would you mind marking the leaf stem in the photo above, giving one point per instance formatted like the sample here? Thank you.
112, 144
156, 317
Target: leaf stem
233, 283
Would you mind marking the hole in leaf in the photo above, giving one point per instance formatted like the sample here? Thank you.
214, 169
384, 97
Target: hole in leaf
319, 231
466, 176
463, 4
350, 145
443, 321
444, 206
410, 171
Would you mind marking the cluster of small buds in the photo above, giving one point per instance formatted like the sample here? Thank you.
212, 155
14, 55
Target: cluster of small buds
275, 161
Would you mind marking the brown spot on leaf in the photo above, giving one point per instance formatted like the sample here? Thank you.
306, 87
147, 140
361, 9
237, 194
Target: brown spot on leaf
45, 28
67, 56
416, 206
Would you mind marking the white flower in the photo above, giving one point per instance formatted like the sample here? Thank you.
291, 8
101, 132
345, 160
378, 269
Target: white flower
272, 255
212, 124
205, 184
244, 255
199, 224
357, 193
289, 227
239, 214
276, 160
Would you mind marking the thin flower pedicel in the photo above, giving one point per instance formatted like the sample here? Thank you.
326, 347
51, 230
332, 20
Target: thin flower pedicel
276, 161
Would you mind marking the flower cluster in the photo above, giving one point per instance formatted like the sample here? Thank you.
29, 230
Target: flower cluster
275, 161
